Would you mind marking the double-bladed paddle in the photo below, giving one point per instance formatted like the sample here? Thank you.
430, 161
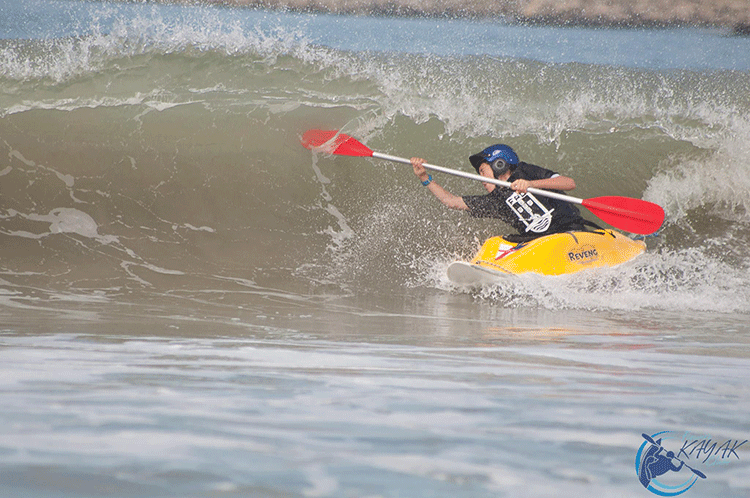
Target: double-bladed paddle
625, 213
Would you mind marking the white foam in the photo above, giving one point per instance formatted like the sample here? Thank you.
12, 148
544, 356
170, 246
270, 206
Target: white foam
62, 221
344, 232
196, 229
721, 182
668, 280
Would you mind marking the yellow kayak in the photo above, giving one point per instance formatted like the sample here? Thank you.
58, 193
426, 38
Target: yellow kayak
555, 254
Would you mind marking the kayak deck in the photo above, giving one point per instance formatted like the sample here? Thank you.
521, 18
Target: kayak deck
556, 254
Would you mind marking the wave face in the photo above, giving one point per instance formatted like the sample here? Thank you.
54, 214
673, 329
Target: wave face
160, 151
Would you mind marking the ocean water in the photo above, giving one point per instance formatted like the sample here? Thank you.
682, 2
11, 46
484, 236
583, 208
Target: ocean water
193, 304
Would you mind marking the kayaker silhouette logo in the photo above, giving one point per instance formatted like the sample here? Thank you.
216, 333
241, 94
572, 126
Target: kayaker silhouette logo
658, 468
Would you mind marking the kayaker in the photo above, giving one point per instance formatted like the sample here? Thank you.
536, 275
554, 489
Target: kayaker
656, 464
530, 215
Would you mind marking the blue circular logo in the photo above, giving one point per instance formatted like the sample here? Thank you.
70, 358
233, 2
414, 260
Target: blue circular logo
656, 468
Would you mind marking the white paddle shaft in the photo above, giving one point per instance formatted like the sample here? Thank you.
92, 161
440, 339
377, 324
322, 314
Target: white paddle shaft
479, 178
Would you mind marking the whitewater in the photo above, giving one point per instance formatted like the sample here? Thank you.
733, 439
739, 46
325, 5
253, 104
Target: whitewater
193, 304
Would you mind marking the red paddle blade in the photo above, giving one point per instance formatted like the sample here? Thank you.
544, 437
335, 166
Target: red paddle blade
334, 142
625, 213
